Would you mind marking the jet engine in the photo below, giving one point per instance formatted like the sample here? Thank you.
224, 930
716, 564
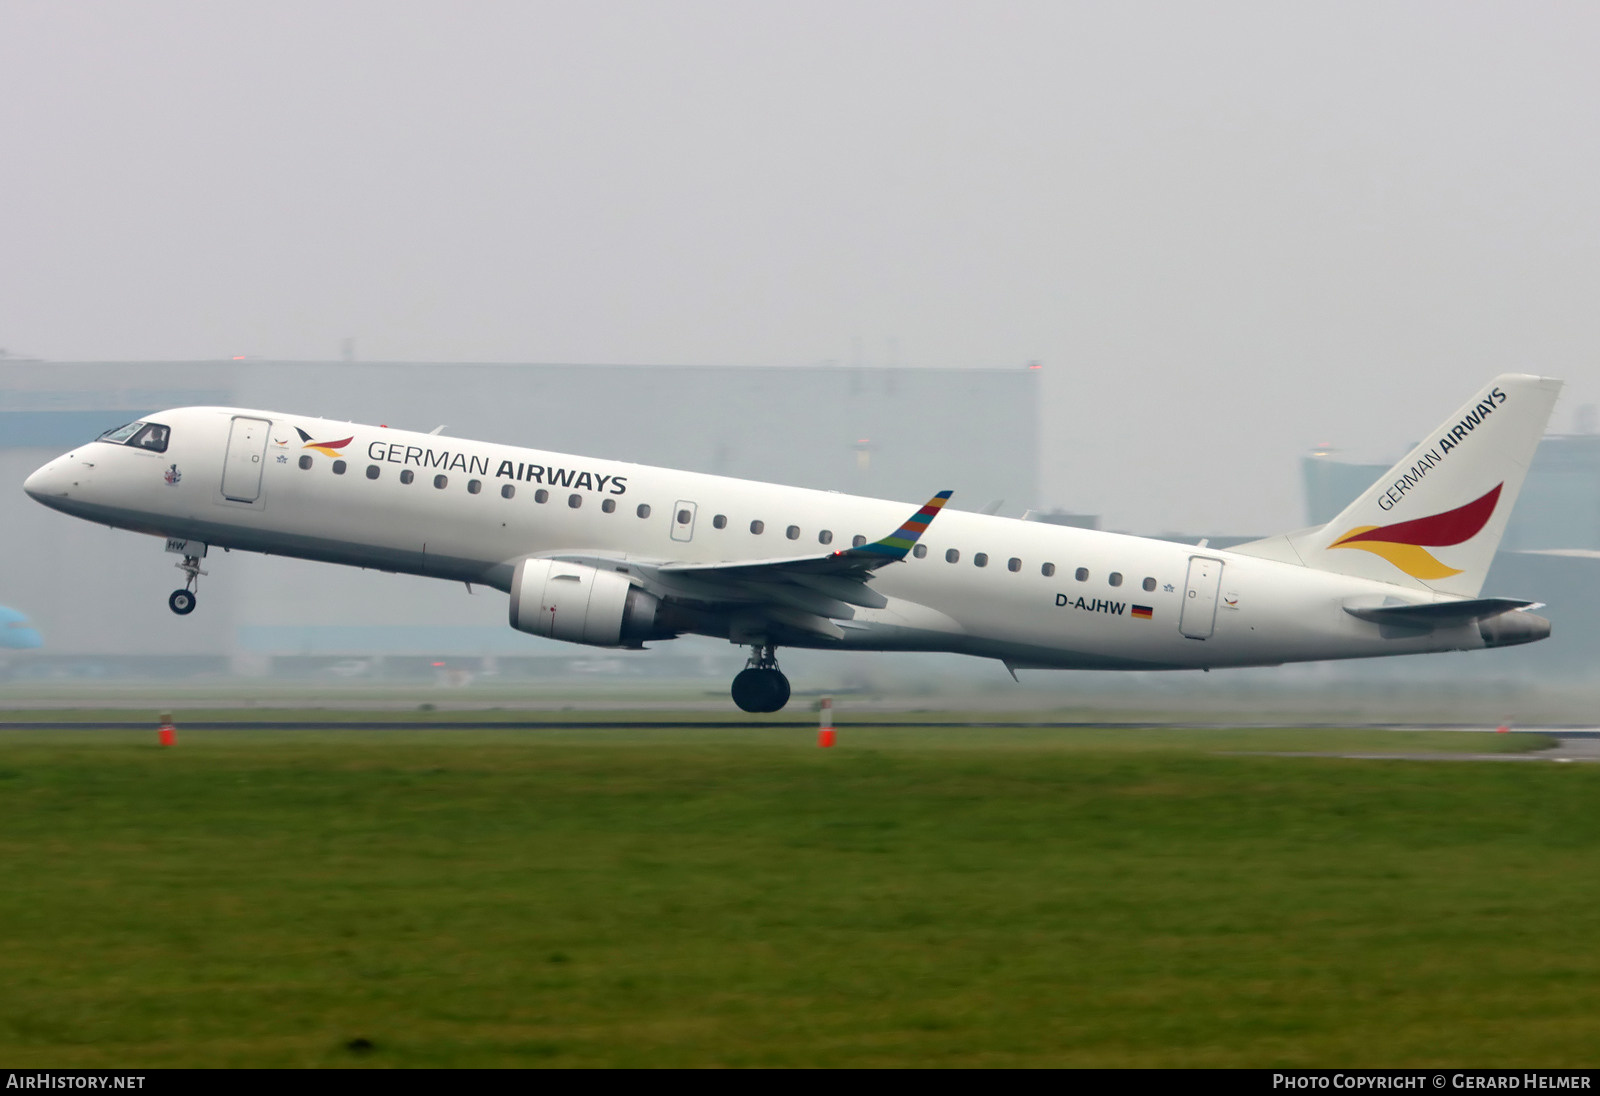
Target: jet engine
581, 604
1510, 629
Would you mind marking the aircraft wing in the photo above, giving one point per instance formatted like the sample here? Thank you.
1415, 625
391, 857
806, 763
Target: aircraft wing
856, 563
807, 593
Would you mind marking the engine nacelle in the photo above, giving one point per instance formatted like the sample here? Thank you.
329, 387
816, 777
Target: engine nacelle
581, 605
1510, 629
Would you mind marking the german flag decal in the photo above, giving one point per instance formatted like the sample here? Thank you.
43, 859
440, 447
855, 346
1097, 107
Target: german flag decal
1141, 612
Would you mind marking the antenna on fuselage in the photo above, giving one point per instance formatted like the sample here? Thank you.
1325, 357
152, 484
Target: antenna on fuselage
436, 429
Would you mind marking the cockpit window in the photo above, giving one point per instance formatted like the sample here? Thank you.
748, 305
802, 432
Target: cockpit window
153, 437
140, 435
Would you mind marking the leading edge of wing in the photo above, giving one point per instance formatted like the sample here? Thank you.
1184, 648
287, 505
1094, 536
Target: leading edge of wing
869, 557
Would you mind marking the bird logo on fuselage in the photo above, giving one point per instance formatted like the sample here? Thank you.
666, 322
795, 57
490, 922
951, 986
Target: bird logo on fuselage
326, 448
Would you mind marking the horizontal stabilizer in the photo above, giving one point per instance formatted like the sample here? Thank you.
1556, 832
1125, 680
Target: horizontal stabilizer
1442, 614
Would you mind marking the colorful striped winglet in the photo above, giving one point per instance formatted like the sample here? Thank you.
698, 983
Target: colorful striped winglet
898, 543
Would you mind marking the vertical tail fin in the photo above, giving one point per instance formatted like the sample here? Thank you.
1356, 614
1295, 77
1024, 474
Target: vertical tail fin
1435, 519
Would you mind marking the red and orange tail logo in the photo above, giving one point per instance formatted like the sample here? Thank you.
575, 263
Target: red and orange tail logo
1406, 544
326, 448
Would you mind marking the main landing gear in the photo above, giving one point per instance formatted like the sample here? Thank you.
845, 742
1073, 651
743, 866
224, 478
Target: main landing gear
182, 601
761, 686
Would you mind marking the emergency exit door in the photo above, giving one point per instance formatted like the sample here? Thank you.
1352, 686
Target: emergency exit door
683, 515
1199, 615
247, 449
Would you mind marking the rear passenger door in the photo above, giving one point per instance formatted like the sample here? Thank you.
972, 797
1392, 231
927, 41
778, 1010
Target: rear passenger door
1199, 617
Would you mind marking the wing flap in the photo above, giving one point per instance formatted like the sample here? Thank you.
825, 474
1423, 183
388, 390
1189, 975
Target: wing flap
803, 621
809, 601
850, 592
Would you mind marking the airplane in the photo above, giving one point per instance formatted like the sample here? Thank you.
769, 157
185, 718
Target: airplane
617, 555
17, 632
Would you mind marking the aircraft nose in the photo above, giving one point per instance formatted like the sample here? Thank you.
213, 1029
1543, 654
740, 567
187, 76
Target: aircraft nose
48, 482
35, 484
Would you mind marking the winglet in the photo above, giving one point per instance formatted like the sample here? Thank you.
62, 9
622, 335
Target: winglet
898, 543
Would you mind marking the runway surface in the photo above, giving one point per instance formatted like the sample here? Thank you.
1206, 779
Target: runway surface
1574, 744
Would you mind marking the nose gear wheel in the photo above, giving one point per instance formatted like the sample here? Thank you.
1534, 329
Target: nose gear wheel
182, 601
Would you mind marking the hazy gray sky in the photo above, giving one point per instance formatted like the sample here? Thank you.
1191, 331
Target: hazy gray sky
1229, 230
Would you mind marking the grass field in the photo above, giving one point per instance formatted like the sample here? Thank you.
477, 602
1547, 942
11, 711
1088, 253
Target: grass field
709, 896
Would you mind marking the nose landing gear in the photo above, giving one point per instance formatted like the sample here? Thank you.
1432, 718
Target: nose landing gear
182, 601
761, 686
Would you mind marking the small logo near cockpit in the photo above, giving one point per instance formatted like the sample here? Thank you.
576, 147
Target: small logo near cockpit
172, 476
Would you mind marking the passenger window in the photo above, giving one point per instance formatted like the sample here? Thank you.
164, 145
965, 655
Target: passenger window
952, 556
305, 461
981, 559
793, 532
684, 517
857, 541
920, 551
825, 537
720, 521
406, 474
1082, 574
758, 526
441, 482
1149, 585
1047, 570
541, 495
507, 491
372, 471
474, 486
609, 506
1116, 578
1013, 564
643, 510
574, 501
338, 467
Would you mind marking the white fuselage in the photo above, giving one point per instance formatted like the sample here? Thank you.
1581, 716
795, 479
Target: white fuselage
1033, 594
